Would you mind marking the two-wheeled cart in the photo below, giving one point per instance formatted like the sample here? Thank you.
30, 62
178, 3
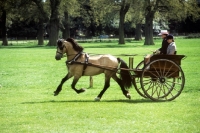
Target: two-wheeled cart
162, 79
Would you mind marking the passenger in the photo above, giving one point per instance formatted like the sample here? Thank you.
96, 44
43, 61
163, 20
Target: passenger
171, 49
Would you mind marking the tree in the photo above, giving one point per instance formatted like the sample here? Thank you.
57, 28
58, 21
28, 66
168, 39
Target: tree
34, 12
104, 12
4, 10
41, 17
124, 7
151, 8
69, 8
54, 22
136, 16
4, 28
138, 32
93, 14
176, 9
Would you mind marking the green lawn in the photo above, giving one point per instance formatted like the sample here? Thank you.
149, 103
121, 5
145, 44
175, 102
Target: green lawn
29, 75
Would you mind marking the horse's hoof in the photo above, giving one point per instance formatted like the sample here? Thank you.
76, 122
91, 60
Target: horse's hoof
81, 90
97, 99
128, 96
55, 93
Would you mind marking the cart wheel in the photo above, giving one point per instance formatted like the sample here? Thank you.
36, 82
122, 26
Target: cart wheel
140, 65
162, 80
138, 87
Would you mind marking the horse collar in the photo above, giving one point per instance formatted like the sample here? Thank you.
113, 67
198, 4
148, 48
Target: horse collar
74, 59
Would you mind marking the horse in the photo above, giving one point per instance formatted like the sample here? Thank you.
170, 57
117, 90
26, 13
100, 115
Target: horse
80, 64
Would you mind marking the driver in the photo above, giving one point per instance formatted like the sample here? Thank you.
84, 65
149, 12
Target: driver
163, 49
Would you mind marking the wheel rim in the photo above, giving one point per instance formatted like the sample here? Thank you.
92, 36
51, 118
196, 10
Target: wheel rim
138, 88
137, 81
162, 80
140, 65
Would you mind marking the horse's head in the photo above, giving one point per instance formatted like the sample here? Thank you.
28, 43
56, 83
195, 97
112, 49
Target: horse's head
69, 46
61, 49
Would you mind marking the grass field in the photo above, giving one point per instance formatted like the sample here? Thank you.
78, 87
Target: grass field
29, 74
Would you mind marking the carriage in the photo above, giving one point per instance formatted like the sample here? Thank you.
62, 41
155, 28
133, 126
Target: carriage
161, 79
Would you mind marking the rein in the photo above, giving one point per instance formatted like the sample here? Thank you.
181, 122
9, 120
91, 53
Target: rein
86, 63
114, 69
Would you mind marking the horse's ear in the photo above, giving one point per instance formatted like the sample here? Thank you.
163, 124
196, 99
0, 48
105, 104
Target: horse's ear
70, 40
60, 41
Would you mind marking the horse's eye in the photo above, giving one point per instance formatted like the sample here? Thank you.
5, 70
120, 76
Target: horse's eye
60, 47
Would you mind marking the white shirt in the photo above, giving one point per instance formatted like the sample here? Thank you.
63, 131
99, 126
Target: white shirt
171, 48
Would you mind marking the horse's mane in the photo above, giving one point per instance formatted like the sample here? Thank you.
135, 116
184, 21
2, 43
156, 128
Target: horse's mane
75, 45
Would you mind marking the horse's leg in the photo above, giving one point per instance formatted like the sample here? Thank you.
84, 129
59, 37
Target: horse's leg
59, 88
106, 85
119, 81
91, 82
75, 80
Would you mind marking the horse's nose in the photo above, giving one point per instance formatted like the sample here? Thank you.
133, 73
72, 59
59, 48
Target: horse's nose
57, 58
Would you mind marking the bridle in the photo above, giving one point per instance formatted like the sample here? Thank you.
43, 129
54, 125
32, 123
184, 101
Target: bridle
61, 49
59, 52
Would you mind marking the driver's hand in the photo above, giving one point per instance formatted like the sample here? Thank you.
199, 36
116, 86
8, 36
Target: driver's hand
156, 52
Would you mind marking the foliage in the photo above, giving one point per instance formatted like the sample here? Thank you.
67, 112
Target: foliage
193, 35
167, 9
99, 16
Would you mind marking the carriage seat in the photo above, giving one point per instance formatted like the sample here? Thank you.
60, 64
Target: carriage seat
175, 58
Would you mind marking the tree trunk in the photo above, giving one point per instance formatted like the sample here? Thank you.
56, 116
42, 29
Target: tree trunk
121, 28
40, 35
66, 31
138, 33
149, 29
4, 28
124, 9
54, 22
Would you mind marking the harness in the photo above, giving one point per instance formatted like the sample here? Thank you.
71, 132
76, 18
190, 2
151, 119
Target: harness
74, 61
86, 63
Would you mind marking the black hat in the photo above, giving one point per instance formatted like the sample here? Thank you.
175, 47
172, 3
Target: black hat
169, 37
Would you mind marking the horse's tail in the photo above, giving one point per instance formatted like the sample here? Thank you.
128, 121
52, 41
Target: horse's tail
125, 75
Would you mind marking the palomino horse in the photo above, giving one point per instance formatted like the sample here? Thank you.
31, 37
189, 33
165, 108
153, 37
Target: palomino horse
79, 64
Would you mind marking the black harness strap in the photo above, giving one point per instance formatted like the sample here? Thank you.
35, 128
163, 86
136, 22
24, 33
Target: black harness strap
86, 63
74, 60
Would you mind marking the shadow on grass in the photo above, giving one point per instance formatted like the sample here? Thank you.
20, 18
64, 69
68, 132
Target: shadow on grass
92, 101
